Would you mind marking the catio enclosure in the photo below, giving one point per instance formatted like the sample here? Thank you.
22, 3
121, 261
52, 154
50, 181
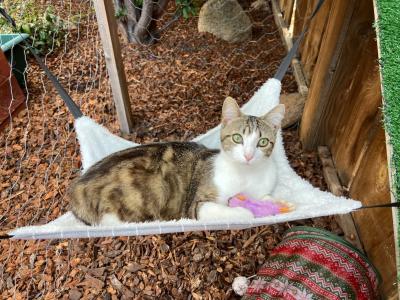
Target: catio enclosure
339, 62
175, 92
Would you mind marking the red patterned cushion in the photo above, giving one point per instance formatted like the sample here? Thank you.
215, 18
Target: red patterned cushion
312, 263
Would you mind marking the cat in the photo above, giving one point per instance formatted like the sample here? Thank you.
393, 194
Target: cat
173, 180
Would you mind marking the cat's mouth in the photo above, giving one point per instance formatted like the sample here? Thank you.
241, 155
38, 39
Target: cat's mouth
248, 162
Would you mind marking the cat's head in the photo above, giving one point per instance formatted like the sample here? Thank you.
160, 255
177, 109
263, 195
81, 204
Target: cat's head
248, 139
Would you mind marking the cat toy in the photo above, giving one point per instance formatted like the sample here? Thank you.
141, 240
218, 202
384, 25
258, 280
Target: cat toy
260, 208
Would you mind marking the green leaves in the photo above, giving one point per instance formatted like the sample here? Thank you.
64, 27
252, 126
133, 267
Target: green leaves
46, 28
120, 13
186, 7
138, 3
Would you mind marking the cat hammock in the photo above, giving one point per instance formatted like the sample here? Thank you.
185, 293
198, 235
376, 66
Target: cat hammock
96, 142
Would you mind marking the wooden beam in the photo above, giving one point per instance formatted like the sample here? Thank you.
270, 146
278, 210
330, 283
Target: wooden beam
310, 47
324, 72
112, 51
286, 7
283, 29
371, 186
287, 40
346, 222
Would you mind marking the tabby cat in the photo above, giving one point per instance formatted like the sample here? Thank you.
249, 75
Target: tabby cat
173, 180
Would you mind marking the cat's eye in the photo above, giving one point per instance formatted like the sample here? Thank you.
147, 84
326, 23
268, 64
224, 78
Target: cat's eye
237, 138
263, 142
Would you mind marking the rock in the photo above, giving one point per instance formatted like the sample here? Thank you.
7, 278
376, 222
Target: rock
74, 294
294, 105
226, 20
260, 5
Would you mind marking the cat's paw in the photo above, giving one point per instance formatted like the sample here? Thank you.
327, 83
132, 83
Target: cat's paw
111, 220
211, 211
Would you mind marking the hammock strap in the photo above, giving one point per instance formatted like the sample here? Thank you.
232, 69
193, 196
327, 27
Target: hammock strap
73, 108
393, 204
292, 52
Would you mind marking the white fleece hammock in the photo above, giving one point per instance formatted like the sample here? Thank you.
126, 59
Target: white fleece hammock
96, 142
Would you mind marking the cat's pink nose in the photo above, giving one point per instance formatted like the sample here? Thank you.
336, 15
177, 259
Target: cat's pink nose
248, 157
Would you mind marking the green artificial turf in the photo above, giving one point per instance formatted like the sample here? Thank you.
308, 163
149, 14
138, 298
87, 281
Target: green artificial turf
389, 35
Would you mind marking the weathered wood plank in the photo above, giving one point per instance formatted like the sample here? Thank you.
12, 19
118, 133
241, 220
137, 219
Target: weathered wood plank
286, 8
343, 112
320, 88
287, 40
112, 52
299, 16
309, 51
371, 186
346, 222
353, 112
351, 108
283, 29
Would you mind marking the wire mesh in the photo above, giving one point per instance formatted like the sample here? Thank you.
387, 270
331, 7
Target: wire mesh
176, 88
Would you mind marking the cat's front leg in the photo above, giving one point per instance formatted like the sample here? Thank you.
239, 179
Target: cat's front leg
211, 211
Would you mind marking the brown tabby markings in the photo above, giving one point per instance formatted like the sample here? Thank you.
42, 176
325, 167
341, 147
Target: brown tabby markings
166, 181
245, 125
162, 181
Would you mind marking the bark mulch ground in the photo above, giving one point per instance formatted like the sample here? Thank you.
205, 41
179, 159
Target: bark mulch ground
176, 88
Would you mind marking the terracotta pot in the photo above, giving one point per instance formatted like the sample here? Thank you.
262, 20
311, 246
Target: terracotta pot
11, 95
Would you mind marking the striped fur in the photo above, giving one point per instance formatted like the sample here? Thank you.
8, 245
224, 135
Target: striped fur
167, 181
161, 181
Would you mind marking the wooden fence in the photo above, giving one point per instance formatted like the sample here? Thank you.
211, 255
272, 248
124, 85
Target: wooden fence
339, 59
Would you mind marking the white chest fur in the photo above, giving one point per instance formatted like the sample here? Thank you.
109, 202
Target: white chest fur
255, 180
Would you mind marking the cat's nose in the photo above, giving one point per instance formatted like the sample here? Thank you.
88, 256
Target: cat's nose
248, 157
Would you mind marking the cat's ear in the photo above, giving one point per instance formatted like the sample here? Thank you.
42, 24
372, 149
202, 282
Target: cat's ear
230, 110
275, 115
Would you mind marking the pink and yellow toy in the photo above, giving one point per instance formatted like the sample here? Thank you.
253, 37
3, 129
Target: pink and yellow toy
260, 208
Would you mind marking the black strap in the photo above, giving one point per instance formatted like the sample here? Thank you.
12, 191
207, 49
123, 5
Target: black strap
393, 204
73, 108
5, 236
288, 58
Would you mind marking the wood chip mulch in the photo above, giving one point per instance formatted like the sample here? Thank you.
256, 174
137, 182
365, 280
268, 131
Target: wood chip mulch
176, 87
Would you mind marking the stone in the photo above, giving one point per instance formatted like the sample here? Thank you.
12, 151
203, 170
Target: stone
226, 20
260, 5
74, 294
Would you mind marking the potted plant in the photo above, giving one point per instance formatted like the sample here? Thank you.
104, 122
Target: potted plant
12, 69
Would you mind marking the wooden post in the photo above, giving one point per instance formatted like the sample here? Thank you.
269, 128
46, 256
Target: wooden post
287, 40
286, 7
324, 71
112, 52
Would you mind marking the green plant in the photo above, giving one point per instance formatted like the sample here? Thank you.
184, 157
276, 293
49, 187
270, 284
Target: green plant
138, 3
186, 7
121, 12
46, 29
